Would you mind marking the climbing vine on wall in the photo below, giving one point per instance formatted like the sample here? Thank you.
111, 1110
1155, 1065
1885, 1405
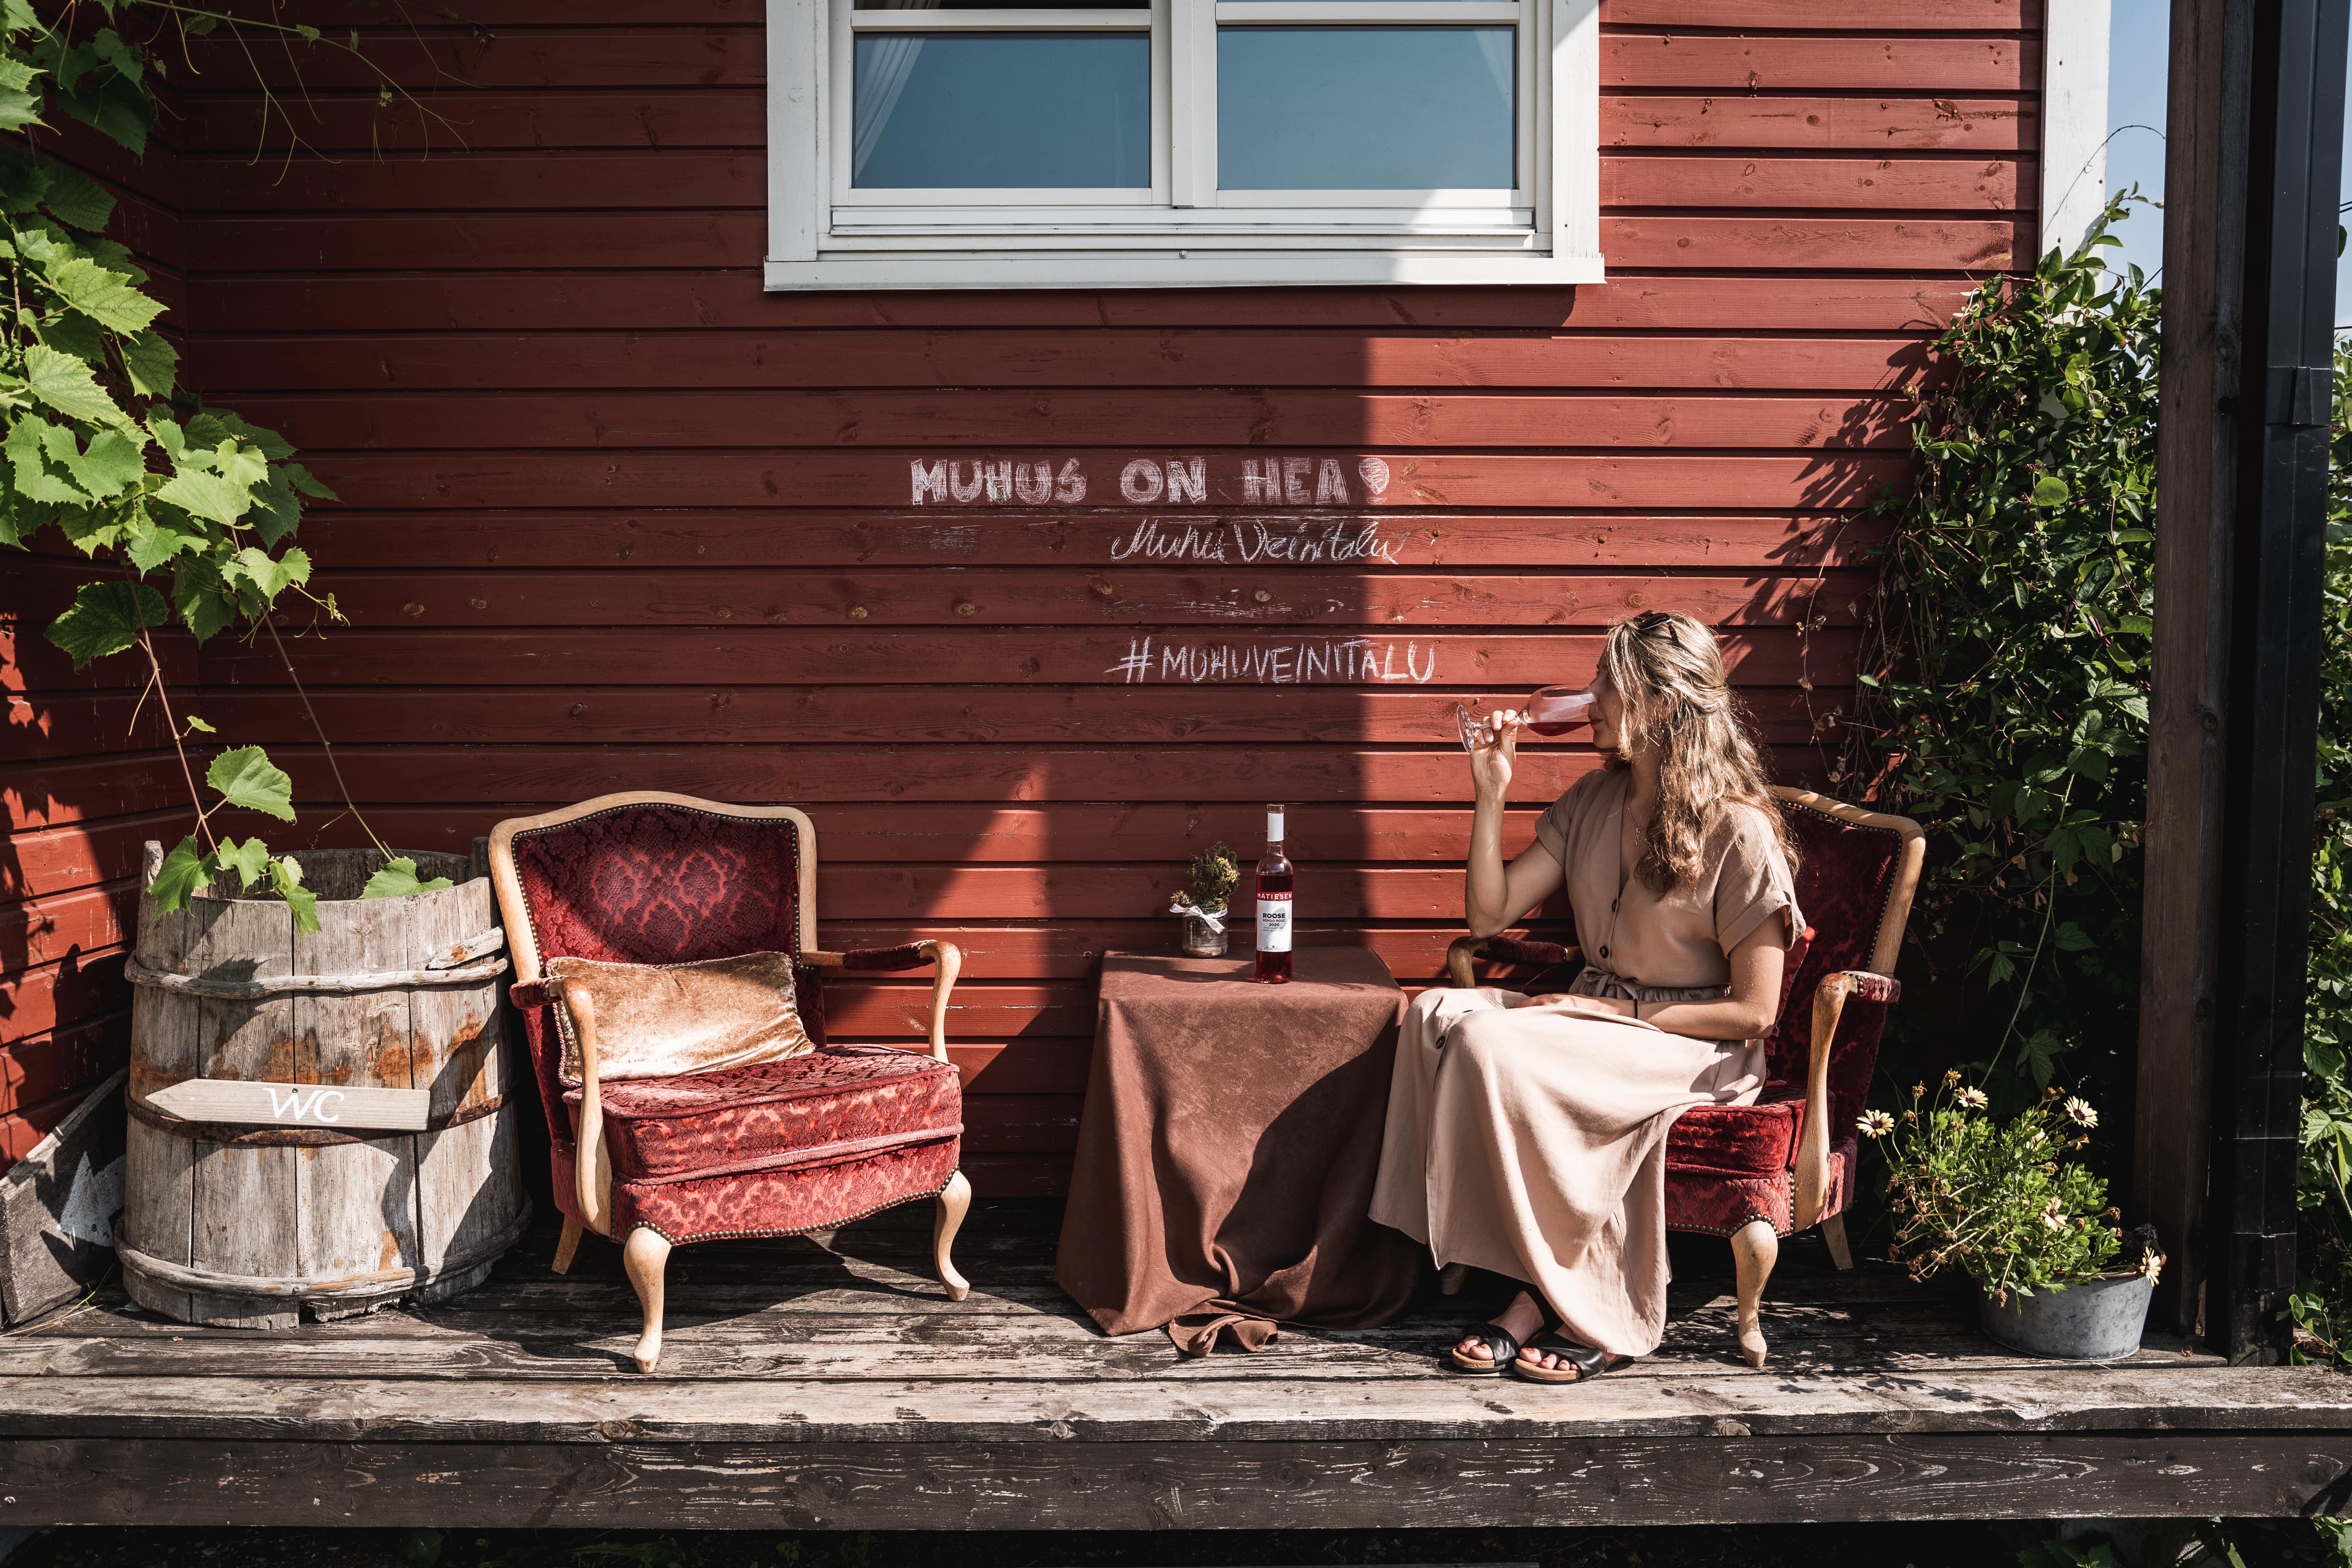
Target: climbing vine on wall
186, 513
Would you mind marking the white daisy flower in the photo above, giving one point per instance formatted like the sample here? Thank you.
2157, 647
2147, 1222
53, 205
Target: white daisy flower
1972, 1098
1874, 1123
2080, 1113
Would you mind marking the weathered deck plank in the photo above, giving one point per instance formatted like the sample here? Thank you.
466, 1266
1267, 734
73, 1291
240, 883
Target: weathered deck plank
811, 1384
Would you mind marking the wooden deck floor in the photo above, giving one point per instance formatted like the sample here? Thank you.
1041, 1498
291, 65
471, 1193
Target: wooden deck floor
826, 1383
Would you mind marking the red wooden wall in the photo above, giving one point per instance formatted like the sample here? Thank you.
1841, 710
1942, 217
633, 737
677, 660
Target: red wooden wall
614, 518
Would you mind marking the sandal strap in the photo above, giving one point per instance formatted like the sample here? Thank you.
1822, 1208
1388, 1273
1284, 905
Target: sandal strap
1499, 1343
1588, 1362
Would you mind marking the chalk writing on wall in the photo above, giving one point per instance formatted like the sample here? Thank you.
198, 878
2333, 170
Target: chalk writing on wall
1299, 541
1358, 659
1173, 480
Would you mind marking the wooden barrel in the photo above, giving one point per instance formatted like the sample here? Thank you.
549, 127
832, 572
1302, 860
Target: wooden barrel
248, 1225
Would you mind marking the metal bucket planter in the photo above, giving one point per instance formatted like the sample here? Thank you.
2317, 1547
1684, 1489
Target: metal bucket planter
2098, 1320
250, 1226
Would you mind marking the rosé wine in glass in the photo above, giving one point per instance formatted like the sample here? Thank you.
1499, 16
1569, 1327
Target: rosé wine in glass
1550, 713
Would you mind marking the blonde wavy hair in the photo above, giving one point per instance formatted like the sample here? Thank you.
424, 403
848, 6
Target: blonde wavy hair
1669, 671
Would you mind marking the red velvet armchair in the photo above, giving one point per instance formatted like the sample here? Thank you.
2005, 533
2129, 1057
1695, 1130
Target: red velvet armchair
772, 1148
1758, 1172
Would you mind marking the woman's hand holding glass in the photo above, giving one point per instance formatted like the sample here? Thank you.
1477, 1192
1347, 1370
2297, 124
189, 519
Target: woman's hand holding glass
1491, 740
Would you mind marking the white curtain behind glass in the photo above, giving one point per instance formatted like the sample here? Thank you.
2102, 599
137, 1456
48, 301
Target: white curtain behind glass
884, 64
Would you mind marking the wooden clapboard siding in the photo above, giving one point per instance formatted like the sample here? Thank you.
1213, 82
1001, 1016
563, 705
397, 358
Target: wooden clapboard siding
75, 747
614, 518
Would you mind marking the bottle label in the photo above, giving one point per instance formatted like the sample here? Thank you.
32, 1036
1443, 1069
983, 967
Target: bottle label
1274, 922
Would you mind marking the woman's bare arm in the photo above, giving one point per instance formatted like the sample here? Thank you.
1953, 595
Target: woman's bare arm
1495, 895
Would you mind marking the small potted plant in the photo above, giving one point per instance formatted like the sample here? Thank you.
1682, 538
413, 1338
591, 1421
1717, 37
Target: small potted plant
1208, 883
2003, 1204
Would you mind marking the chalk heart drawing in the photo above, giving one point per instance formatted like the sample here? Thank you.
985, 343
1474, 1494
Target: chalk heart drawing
1374, 473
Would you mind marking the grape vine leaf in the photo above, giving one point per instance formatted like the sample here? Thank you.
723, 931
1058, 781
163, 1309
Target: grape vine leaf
113, 465
106, 617
286, 874
398, 879
150, 543
63, 384
250, 860
247, 777
35, 480
71, 332
218, 427
153, 364
106, 296
75, 199
201, 604
272, 577
207, 496
185, 869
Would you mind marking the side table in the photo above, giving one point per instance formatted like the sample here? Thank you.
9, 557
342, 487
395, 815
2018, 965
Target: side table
1226, 1156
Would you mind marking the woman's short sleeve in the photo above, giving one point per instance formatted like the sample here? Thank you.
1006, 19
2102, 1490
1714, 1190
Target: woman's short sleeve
1755, 882
1552, 826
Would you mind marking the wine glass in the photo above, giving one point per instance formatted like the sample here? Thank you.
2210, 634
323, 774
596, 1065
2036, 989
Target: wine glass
1552, 711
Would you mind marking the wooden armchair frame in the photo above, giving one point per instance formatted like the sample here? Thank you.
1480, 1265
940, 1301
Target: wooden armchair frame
1756, 1247
644, 1253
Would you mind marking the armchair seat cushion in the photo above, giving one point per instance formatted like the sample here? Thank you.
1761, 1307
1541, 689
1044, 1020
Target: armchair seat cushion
834, 1104
1757, 1140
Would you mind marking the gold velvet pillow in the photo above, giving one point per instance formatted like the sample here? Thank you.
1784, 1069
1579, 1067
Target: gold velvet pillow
659, 1021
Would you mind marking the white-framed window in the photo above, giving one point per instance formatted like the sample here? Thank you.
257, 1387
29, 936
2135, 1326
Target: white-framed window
1094, 143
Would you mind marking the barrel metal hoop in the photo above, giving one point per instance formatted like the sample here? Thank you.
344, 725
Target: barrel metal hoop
259, 990
382, 1282
238, 1135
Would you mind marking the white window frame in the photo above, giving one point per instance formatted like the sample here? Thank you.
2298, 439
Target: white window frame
1182, 231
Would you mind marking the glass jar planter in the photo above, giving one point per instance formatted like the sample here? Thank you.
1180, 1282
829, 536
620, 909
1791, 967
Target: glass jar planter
1203, 939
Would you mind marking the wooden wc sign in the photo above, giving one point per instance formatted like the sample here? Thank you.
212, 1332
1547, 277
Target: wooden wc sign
296, 1104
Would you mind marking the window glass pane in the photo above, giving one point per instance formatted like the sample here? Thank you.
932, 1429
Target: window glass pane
1356, 109
1008, 110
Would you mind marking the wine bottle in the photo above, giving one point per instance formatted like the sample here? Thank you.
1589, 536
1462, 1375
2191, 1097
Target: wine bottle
1274, 930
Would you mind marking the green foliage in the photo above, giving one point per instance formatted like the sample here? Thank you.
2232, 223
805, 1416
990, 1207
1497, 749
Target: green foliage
1999, 1201
398, 879
2321, 1305
2005, 691
1211, 879
187, 511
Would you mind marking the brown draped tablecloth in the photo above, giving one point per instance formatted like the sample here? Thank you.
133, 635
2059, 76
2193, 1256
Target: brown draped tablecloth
1227, 1157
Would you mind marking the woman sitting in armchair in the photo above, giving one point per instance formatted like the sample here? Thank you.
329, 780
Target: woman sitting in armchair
1528, 1135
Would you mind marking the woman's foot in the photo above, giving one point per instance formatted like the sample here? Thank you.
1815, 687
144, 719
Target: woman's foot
1548, 1358
1521, 1320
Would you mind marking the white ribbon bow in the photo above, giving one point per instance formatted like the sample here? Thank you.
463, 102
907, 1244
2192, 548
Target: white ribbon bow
1196, 912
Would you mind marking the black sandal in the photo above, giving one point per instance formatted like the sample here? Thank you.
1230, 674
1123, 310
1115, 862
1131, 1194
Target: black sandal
1583, 1363
1499, 1344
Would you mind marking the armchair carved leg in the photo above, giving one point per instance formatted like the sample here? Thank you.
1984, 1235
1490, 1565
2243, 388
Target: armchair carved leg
1833, 1232
1451, 1278
567, 1244
1754, 1249
645, 1257
953, 1200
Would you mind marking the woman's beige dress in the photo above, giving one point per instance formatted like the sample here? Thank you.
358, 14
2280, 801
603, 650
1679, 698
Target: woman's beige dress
1531, 1141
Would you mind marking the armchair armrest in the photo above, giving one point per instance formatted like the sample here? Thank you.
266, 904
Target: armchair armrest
1503, 949
592, 1162
909, 955
1812, 1170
